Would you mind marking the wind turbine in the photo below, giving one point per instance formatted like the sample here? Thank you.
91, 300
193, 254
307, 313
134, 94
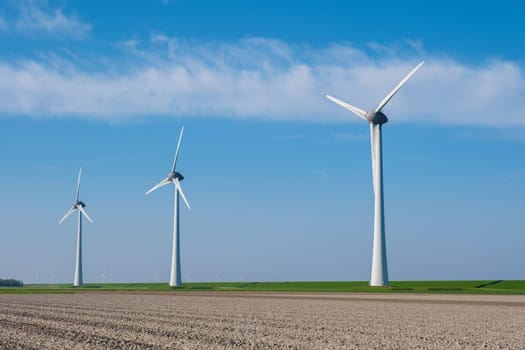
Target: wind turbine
175, 178
376, 118
78, 205
103, 274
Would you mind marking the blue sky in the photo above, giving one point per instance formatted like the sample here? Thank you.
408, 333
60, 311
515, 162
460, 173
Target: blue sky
278, 177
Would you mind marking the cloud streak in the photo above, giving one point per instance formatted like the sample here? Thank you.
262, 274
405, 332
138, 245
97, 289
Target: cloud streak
34, 16
262, 79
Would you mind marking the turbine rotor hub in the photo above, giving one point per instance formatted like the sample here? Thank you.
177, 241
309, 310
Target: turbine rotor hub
376, 117
80, 204
175, 175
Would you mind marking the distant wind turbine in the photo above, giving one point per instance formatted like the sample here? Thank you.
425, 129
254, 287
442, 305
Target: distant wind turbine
175, 178
78, 205
103, 274
376, 118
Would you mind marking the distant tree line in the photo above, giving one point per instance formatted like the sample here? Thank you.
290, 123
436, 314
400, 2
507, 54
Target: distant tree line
11, 283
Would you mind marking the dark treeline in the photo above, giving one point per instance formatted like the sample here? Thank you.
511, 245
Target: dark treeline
11, 283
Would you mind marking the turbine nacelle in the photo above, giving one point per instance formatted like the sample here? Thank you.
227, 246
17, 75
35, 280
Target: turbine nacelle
175, 175
79, 204
376, 117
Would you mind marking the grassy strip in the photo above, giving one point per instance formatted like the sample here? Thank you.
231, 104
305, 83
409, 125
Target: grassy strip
456, 287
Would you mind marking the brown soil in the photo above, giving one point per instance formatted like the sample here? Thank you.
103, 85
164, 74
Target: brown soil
207, 320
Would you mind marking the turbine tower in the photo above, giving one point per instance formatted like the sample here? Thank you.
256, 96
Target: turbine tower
376, 118
175, 178
78, 205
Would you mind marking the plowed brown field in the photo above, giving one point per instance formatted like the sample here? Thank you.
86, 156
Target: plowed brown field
201, 320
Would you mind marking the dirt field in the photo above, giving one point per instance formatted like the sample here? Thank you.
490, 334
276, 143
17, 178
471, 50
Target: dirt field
261, 321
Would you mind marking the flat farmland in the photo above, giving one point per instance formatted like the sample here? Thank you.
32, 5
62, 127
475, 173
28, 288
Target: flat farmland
262, 320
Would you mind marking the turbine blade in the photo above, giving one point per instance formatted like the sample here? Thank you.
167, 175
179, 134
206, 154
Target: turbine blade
357, 111
177, 151
78, 184
179, 189
69, 212
159, 185
83, 211
396, 89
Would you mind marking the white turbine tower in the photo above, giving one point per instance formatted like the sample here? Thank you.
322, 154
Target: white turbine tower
376, 118
78, 205
175, 178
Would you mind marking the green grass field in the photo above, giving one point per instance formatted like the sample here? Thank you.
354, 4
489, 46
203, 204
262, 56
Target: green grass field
463, 287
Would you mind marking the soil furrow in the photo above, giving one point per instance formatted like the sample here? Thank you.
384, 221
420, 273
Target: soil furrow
204, 321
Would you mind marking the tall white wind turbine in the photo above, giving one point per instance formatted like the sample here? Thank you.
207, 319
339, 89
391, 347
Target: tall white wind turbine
79, 206
175, 178
376, 118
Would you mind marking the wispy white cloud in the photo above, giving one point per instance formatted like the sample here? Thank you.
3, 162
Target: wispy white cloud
264, 79
35, 16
